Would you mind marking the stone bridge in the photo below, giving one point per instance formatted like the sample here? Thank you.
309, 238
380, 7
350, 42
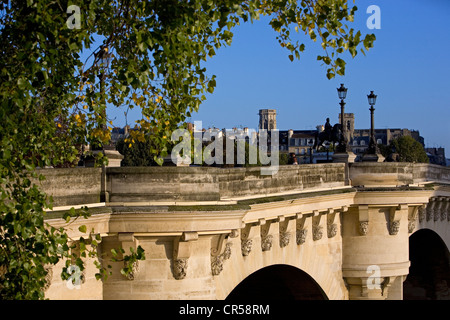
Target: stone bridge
325, 231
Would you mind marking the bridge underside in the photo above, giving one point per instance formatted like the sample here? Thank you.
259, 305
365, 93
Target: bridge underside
278, 282
429, 275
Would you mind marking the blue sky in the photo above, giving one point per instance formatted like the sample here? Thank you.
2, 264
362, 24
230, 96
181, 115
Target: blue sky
408, 69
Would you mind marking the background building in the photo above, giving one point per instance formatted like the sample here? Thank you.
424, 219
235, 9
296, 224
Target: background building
267, 119
436, 156
358, 139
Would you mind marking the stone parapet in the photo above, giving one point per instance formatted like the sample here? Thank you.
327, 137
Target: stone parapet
393, 174
77, 186
249, 181
137, 184
72, 186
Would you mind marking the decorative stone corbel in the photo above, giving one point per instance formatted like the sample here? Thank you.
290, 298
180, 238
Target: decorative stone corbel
285, 224
180, 268
48, 277
448, 210
331, 223
421, 211
181, 253
430, 209
437, 208
317, 229
301, 231
394, 218
412, 217
74, 254
220, 251
417, 213
128, 241
266, 237
247, 235
444, 208
363, 219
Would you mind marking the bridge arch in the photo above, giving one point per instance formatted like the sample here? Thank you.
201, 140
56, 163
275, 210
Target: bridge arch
429, 273
317, 264
278, 282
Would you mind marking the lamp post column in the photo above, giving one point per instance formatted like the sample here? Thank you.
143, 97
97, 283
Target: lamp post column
373, 144
343, 152
373, 153
343, 144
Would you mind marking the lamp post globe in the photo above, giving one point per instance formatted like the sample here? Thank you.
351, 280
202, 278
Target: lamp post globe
342, 92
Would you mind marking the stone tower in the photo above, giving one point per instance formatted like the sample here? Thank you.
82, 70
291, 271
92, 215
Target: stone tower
349, 123
267, 119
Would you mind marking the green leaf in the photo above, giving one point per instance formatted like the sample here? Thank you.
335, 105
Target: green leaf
330, 75
21, 83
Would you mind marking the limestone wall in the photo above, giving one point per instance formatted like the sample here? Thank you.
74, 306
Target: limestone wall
72, 186
396, 173
431, 172
162, 184
139, 184
249, 181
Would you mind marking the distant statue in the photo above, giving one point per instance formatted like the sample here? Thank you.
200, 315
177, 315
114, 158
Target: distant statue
328, 126
331, 134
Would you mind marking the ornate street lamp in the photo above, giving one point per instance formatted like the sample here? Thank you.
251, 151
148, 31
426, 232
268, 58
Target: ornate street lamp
343, 145
343, 152
372, 98
373, 146
372, 153
104, 59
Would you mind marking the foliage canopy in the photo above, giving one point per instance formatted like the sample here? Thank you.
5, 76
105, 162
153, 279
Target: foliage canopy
409, 150
145, 54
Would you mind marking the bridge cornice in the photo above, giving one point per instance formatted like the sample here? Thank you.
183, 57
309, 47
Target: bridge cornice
391, 196
306, 205
177, 222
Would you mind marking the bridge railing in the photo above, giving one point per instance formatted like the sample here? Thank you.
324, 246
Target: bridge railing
236, 182
72, 186
140, 184
397, 173
156, 184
